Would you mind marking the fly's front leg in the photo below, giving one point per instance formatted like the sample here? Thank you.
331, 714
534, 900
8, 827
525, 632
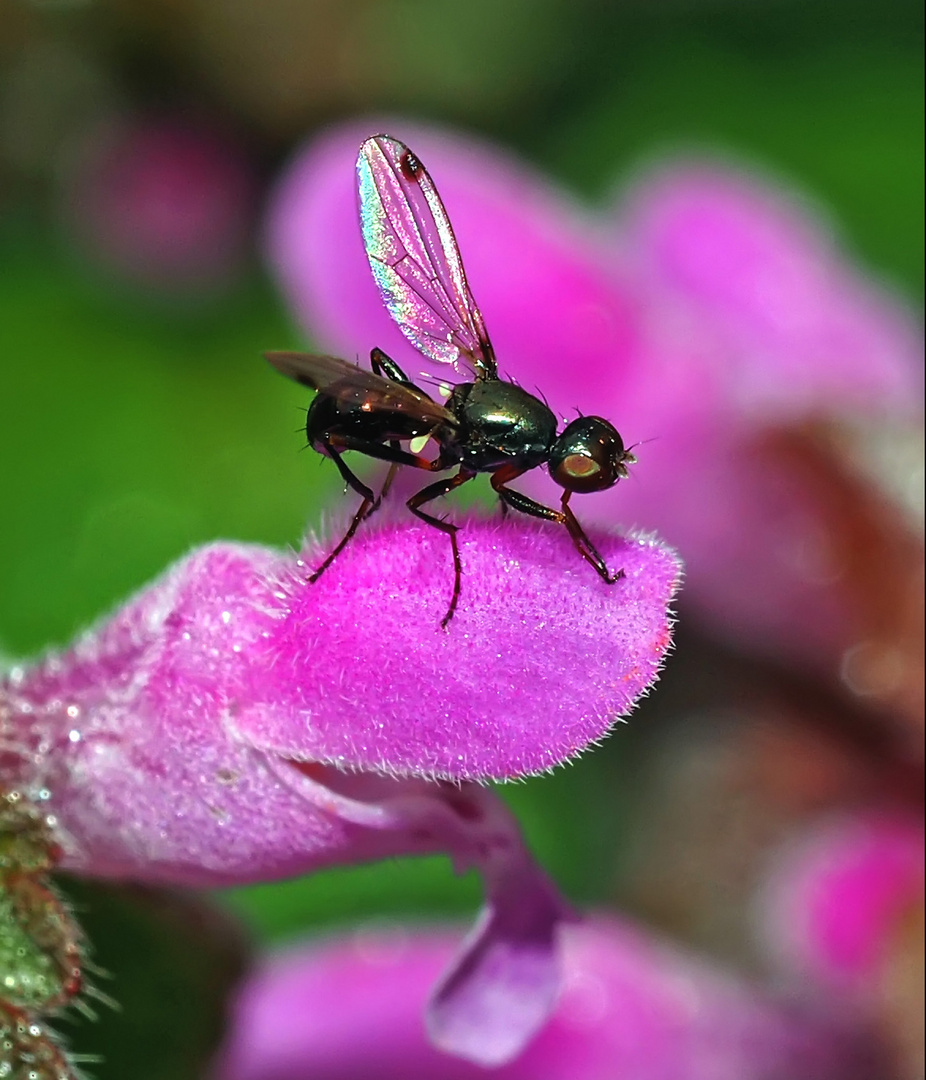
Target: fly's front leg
525, 505
434, 491
584, 546
517, 500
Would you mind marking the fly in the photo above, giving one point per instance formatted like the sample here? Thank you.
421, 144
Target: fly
488, 424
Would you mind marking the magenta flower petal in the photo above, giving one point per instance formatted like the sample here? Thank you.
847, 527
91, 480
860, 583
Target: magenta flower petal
835, 901
233, 723
551, 306
792, 324
199, 733
631, 1008
503, 988
540, 659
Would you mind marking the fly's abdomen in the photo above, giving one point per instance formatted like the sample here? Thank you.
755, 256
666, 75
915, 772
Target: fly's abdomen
351, 414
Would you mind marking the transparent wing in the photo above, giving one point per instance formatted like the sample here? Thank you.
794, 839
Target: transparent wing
415, 259
348, 382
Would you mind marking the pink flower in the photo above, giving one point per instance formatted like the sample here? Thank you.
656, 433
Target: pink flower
705, 312
164, 202
785, 321
632, 1008
232, 723
835, 901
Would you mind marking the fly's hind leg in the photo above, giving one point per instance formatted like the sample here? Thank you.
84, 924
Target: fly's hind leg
368, 501
387, 368
333, 446
434, 491
387, 483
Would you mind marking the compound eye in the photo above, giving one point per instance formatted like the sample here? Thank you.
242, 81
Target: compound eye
577, 471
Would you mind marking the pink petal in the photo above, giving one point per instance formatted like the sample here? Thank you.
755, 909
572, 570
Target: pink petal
835, 901
631, 1008
233, 723
793, 325
539, 661
501, 991
164, 202
197, 736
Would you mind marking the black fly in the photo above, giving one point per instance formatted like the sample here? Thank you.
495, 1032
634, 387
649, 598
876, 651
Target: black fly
488, 424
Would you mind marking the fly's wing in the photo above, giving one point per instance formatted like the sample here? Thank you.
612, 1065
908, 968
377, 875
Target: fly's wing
415, 259
348, 382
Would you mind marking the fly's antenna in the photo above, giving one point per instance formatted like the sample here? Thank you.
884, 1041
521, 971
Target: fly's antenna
642, 442
628, 453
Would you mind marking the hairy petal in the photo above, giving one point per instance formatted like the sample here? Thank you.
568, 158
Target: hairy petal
233, 723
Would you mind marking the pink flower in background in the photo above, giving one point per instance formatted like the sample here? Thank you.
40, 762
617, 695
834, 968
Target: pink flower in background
704, 312
835, 901
632, 1008
165, 202
232, 724
784, 320
841, 919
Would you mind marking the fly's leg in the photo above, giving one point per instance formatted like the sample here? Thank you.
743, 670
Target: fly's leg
333, 446
368, 501
387, 484
389, 369
383, 452
525, 505
584, 546
434, 491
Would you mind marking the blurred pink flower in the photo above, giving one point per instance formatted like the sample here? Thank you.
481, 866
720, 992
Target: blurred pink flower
784, 320
705, 310
835, 901
632, 1008
164, 202
232, 723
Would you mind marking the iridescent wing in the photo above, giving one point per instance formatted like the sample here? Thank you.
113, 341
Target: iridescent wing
350, 383
415, 259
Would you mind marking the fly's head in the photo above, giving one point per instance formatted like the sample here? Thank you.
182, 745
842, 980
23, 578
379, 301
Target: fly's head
589, 455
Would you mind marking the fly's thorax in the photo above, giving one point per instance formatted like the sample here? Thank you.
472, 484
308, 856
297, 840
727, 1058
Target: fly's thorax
501, 424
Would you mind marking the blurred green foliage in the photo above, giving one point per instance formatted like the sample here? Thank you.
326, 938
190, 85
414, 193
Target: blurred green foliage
132, 428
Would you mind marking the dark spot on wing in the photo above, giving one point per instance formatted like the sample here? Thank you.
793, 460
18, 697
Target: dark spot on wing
410, 166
